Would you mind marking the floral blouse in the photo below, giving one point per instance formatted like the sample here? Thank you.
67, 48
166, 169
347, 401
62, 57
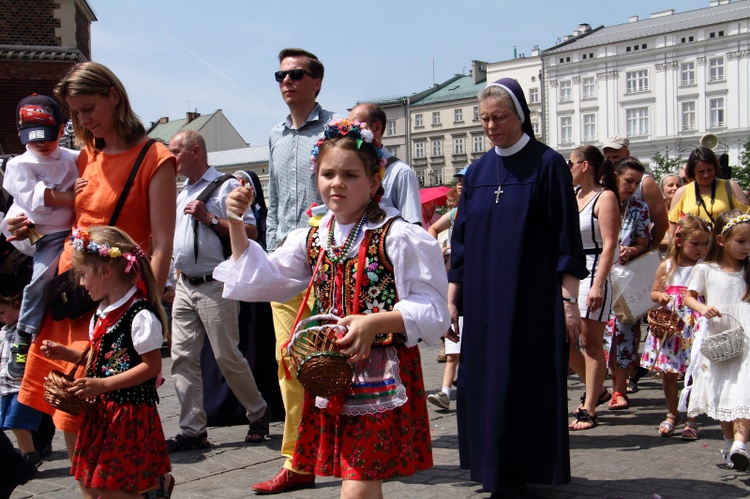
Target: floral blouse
635, 223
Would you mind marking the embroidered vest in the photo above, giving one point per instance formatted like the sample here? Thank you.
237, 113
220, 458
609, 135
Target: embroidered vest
378, 291
116, 354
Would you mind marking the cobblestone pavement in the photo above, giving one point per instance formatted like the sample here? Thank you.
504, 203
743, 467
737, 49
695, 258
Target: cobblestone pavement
624, 457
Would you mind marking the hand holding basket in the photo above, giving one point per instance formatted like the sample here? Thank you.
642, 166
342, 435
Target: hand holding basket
320, 366
664, 322
56, 386
725, 345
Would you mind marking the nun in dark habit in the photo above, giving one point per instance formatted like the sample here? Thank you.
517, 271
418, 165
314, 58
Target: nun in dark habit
516, 263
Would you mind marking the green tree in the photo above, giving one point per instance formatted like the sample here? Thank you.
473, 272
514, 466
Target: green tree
742, 173
661, 165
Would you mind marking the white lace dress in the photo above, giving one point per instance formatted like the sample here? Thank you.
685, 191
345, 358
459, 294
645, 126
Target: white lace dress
720, 389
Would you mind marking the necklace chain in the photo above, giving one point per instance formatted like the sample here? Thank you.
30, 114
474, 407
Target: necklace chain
499, 192
337, 253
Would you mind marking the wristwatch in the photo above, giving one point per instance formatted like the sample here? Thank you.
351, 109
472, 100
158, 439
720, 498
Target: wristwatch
215, 220
570, 299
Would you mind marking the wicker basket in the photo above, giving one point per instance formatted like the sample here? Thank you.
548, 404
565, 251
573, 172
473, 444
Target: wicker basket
664, 323
321, 369
56, 386
725, 345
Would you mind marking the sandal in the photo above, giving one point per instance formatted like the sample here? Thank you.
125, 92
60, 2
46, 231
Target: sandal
632, 386
614, 406
584, 417
259, 430
606, 396
690, 432
668, 425
163, 490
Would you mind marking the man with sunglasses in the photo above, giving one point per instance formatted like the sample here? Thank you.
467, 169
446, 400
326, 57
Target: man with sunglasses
292, 191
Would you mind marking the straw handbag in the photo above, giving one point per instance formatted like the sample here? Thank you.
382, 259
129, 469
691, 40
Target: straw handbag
56, 386
320, 367
664, 323
725, 345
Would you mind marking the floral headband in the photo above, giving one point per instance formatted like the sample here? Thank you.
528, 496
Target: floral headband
82, 242
735, 221
356, 130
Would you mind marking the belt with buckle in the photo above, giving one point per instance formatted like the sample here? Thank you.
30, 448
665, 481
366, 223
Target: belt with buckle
199, 279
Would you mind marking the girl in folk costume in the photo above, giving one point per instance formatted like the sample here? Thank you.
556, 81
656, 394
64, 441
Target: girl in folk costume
386, 280
671, 356
120, 450
719, 389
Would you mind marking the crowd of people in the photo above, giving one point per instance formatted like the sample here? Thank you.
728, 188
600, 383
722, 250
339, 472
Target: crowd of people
519, 289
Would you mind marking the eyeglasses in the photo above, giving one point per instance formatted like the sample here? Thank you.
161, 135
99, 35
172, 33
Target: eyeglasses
498, 120
294, 74
571, 163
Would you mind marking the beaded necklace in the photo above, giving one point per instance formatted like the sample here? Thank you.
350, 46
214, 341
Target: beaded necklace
337, 253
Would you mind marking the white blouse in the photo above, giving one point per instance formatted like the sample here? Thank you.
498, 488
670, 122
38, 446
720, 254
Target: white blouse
420, 277
146, 329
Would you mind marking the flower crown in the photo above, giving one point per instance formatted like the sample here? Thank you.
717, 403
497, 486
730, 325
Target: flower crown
356, 130
735, 221
82, 242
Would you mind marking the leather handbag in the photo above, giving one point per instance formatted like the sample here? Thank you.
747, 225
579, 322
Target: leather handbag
64, 297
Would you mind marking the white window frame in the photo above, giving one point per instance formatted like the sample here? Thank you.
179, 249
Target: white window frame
638, 122
636, 81
536, 127
688, 116
588, 121
589, 87
437, 147
687, 73
566, 129
716, 69
418, 120
436, 117
566, 91
390, 127
419, 149
533, 95
477, 144
458, 145
716, 112
458, 115
475, 113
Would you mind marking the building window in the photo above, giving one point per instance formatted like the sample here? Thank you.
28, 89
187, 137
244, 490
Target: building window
458, 146
418, 120
533, 95
636, 81
392, 150
478, 144
589, 88
458, 115
566, 91
391, 127
436, 117
475, 113
716, 112
637, 121
716, 69
589, 127
536, 127
688, 116
687, 73
566, 129
419, 149
437, 147
420, 177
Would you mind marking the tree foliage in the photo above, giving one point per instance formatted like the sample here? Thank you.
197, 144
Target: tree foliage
661, 165
742, 173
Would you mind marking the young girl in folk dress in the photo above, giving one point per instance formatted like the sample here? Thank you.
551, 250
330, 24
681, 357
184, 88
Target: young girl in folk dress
671, 357
720, 388
120, 450
381, 429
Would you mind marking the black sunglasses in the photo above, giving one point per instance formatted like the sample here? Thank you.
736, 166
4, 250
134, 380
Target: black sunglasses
294, 74
571, 163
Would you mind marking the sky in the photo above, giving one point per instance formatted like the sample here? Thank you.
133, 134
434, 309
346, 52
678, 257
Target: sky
175, 56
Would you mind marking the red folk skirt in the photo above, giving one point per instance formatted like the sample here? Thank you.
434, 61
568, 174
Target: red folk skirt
391, 444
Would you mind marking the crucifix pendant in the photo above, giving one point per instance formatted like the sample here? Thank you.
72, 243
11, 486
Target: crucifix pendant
498, 192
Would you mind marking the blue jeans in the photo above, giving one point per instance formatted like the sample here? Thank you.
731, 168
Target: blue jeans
46, 255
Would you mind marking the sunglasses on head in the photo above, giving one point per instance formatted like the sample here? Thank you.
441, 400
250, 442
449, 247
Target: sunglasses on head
294, 74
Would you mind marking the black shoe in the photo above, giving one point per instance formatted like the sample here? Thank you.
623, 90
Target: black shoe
35, 458
18, 353
259, 430
182, 442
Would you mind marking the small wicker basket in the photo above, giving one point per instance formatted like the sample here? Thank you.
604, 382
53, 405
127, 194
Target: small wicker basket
664, 323
56, 386
725, 345
321, 369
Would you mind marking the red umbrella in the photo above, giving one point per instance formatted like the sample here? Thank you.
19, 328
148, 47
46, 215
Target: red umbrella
433, 195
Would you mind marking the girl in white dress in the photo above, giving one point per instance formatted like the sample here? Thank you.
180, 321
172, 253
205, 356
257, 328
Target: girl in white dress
671, 356
720, 389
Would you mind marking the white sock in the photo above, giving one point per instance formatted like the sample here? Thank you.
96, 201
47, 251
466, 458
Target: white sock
447, 391
727, 445
737, 445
